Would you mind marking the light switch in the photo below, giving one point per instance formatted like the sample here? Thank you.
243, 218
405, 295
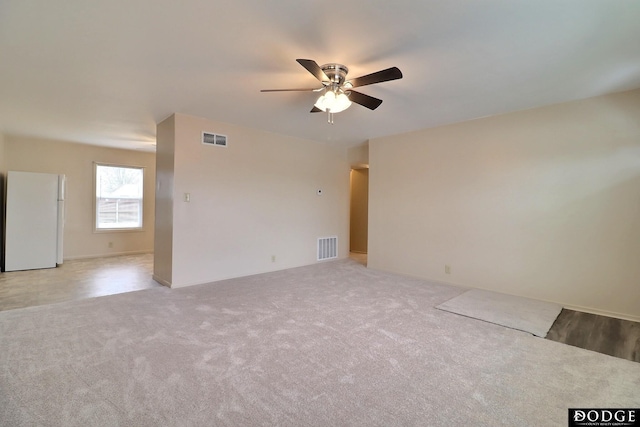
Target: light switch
187, 197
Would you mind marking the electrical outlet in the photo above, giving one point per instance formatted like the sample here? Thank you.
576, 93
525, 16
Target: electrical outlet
273, 258
110, 244
447, 269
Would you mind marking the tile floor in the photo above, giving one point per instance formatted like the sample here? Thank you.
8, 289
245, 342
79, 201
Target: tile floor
76, 279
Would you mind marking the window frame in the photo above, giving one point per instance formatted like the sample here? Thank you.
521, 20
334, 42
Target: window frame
94, 190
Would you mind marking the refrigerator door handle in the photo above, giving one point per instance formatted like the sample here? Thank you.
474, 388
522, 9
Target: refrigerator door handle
60, 225
61, 187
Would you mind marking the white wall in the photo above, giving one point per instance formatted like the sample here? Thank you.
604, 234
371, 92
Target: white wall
76, 162
542, 203
250, 201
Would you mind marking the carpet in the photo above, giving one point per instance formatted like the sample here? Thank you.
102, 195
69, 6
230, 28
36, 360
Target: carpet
331, 344
524, 314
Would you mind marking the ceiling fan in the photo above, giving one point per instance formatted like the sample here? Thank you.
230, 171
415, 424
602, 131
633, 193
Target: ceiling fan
337, 91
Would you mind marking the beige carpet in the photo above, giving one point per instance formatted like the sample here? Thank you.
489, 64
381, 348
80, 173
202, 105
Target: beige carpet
333, 344
523, 314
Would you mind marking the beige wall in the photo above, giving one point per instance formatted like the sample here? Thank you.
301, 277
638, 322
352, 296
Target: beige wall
76, 162
3, 174
359, 215
358, 156
252, 200
3, 167
542, 203
163, 240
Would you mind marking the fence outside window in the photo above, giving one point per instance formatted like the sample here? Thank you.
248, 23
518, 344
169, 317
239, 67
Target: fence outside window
119, 197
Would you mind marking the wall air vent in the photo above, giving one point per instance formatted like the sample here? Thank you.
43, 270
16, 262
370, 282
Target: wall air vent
327, 248
214, 139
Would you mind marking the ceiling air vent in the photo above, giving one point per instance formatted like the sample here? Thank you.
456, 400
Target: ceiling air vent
214, 139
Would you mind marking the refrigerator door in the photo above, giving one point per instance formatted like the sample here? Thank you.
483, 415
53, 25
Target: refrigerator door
31, 221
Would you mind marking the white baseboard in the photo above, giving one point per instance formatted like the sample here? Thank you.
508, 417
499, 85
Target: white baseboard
106, 255
596, 311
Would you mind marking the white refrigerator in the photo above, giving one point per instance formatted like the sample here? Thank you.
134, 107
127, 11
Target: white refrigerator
34, 220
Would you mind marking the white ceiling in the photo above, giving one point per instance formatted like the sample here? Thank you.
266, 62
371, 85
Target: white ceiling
105, 72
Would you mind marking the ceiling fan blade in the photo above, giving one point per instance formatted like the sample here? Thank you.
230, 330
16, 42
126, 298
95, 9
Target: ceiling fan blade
392, 73
292, 90
314, 69
365, 100
315, 110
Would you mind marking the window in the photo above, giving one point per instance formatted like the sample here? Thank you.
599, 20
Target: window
118, 197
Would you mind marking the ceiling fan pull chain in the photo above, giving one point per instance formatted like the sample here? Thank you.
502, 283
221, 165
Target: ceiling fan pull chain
330, 118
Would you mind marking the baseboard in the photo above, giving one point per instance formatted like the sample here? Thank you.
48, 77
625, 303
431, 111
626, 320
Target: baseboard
107, 255
590, 310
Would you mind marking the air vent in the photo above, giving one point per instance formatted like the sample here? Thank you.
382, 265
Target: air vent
214, 139
327, 248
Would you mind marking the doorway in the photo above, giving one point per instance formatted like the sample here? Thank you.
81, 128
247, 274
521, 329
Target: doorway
359, 212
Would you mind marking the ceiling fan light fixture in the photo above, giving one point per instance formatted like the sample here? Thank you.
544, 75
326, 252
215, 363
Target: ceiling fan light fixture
332, 102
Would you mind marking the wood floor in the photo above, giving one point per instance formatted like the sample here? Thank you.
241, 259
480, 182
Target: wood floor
615, 337
86, 278
76, 279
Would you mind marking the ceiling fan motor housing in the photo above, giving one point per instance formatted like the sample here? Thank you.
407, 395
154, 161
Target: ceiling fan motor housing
337, 73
